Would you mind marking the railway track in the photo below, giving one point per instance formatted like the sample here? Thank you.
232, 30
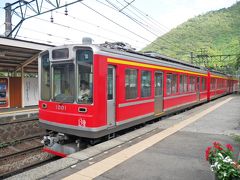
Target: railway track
20, 140
16, 158
19, 147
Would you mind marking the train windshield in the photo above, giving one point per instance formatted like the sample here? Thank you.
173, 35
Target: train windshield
63, 82
85, 76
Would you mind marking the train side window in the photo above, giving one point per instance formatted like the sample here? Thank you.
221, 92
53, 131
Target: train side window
131, 83
169, 84
174, 83
185, 83
145, 83
211, 84
192, 84
203, 84
110, 84
181, 83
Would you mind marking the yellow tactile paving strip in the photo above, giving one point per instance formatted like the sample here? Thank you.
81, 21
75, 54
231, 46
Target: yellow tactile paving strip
19, 111
101, 167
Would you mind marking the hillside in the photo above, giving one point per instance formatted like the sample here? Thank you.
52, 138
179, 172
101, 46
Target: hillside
218, 32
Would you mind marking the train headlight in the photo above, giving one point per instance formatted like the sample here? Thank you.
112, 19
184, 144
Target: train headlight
44, 106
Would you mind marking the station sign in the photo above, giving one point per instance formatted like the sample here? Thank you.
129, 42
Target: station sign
4, 92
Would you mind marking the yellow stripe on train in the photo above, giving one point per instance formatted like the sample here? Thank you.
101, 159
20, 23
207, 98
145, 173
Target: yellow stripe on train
117, 61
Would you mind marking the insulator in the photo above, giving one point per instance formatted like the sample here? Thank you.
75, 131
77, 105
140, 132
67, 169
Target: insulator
66, 11
51, 18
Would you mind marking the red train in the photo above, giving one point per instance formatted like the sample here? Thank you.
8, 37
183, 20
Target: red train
91, 91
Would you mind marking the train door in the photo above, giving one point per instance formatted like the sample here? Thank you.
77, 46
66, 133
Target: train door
111, 96
198, 88
158, 96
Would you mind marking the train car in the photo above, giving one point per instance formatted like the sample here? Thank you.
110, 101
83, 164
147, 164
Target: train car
91, 91
233, 84
218, 84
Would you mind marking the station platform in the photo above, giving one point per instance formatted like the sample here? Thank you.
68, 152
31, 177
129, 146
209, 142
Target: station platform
170, 149
18, 113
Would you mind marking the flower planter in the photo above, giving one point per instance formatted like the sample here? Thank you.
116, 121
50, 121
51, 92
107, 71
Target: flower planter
222, 164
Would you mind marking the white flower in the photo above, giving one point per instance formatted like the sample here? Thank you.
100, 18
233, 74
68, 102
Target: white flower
224, 174
228, 160
211, 168
220, 155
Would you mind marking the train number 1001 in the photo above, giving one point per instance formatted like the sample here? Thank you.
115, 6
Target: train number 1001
61, 107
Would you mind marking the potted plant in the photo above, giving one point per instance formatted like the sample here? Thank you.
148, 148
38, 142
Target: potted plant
221, 160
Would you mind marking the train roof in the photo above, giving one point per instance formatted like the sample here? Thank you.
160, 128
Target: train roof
152, 58
147, 54
149, 57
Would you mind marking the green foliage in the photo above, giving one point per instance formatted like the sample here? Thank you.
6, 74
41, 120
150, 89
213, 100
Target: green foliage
216, 31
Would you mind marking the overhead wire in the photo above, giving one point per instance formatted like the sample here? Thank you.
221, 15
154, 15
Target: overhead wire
153, 26
68, 27
38, 40
73, 28
150, 20
116, 8
94, 34
148, 17
98, 26
50, 35
132, 32
133, 19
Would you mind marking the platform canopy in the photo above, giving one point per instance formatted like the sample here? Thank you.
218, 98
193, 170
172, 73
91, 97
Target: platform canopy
16, 54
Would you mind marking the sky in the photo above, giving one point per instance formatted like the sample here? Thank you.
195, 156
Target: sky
106, 20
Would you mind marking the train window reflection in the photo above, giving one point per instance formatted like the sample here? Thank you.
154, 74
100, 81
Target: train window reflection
63, 83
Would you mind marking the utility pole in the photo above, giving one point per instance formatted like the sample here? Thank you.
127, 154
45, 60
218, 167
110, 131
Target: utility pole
191, 56
8, 20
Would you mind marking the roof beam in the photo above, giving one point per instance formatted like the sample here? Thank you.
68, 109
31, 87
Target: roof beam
25, 63
23, 44
13, 58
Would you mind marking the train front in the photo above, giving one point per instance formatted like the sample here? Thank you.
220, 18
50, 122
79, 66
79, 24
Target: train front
66, 106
